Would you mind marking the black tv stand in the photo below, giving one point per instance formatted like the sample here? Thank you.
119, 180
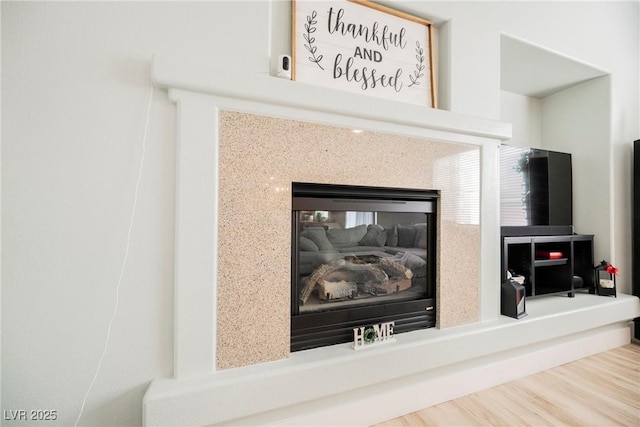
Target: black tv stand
550, 264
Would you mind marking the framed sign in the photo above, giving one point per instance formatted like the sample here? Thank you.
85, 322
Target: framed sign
363, 47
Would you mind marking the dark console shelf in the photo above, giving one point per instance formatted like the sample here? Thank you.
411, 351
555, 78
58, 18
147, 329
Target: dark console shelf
546, 276
548, 262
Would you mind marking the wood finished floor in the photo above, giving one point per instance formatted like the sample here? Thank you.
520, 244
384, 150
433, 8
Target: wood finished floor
600, 390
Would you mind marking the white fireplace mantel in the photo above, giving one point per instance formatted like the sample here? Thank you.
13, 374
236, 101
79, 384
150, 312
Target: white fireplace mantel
336, 385
276, 92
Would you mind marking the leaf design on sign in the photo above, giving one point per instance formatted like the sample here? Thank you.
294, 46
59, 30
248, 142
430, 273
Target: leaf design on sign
310, 29
420, 66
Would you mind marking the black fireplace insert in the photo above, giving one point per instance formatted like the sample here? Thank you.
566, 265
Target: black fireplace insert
360, 256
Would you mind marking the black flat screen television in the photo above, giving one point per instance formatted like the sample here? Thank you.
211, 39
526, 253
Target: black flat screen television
536, 191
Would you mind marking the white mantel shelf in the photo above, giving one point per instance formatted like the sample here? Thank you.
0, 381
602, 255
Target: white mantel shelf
276, 91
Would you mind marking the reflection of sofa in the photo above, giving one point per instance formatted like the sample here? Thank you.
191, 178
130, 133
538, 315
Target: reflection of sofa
408, 243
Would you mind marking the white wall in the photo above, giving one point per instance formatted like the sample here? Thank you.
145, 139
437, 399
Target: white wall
524, 113
577, 120
75, 85
75, 82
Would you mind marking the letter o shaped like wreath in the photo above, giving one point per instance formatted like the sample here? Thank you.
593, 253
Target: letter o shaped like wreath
370, 335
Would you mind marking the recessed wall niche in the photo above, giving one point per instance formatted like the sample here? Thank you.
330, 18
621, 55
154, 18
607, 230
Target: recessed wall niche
559, 103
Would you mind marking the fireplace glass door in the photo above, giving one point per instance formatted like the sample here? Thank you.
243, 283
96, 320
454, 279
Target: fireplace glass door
360, 255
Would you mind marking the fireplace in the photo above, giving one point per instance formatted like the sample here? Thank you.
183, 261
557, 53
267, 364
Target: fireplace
360, 256
239, 148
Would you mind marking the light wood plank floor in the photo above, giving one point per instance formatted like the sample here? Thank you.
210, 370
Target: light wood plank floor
600, 390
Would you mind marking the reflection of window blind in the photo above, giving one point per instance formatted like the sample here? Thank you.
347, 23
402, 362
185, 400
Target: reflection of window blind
458, 178
512, 191
357, 218
469, 187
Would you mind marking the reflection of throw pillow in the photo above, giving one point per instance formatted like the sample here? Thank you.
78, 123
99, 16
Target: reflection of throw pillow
376, 236
414, 263
406, 236
307, 244
319, 237
421, 236
343, 238
392, 237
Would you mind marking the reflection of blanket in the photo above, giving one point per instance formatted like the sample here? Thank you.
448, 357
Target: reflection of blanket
337, 279
332, 290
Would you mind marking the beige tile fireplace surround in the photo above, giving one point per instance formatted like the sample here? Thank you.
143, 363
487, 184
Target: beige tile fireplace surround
241, 141
259, 158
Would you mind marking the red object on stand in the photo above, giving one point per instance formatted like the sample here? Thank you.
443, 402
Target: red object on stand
549, 254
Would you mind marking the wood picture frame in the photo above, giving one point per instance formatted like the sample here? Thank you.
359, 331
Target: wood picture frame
363, 47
